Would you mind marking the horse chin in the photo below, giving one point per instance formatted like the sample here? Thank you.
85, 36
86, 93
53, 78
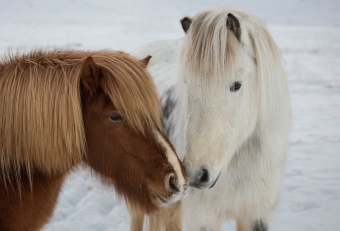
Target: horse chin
161, 201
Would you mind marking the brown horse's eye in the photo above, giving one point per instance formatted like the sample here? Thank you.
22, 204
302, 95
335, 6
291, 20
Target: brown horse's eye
236, 86
116, 117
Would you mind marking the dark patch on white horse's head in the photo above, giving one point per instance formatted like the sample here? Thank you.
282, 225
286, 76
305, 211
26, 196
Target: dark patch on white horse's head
233, 24
186, 22
170, 104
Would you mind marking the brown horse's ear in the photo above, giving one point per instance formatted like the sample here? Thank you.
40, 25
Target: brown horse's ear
146, 60
186, 22
90, 75
233, 24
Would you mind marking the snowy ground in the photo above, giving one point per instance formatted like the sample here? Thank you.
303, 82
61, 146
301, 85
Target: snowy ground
308, 34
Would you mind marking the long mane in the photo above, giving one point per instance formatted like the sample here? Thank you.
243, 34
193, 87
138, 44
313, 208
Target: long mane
41, 125
274, 94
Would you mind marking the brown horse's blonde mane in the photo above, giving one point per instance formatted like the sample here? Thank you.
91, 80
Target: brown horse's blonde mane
41, 125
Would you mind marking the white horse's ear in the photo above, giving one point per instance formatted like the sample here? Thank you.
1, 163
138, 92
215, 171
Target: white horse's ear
186, 22
233, 24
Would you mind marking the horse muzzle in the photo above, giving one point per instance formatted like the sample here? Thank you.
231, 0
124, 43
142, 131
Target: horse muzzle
173, 191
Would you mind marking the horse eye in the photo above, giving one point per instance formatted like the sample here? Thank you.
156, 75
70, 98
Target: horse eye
236, 86
116, 117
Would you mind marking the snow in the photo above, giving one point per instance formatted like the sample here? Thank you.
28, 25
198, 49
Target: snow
308, 34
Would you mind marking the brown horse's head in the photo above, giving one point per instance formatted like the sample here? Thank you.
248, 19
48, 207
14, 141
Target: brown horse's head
125, 143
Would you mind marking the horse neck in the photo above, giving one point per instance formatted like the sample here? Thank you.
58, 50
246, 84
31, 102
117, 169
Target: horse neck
173, 121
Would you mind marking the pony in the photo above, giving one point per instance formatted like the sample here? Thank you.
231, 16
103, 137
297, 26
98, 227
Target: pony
66, 108
227, 111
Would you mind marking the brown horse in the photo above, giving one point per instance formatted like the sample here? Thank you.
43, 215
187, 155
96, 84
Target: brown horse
62, 108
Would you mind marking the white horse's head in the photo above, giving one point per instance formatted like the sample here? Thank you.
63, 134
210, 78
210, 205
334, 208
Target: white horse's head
231, 76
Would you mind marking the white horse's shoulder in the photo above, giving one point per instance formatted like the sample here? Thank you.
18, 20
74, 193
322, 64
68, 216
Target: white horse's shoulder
162, 51
162, 64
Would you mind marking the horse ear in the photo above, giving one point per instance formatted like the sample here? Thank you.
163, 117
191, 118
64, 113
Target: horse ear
146, 60
90, 75
233, 24
186, 22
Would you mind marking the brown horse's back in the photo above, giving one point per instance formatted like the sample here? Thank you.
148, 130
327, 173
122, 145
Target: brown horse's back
36, 205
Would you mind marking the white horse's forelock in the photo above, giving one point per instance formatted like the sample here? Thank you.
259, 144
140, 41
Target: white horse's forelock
208, 53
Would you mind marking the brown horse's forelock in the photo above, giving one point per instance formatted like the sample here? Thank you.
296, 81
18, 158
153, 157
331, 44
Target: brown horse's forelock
132, 91
42, 127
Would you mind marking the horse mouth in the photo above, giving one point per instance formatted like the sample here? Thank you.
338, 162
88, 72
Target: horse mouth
213, 184
207, 185
162, 201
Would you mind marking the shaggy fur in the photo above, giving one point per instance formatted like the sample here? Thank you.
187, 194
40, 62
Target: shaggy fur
56, 113
239, 137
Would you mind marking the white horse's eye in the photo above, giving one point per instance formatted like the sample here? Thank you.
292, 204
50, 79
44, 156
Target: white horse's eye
236, 86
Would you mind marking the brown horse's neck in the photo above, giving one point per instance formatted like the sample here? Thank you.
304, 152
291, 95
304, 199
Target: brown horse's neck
23, 207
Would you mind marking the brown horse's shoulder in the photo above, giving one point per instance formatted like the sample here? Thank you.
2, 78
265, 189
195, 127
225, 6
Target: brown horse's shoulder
25, 208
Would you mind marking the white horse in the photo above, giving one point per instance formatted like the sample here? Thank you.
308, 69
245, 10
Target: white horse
227, 111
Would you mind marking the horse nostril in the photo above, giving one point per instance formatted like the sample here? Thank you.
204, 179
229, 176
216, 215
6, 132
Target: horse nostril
173, 185
203, 177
